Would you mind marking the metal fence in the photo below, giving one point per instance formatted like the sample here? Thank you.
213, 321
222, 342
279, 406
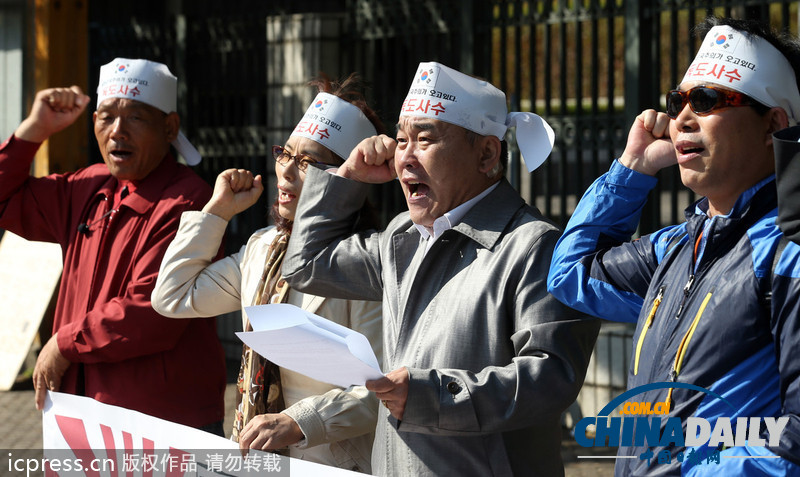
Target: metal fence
590, 67
587, 66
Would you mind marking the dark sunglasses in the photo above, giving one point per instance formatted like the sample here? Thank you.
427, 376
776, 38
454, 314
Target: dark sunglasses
704, 99
282, 157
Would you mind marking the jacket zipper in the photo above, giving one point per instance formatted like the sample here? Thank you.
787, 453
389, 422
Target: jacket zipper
692, 271
648, 324
681, 353
686, 289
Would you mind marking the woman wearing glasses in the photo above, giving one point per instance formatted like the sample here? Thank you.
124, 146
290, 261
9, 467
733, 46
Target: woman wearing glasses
280, 408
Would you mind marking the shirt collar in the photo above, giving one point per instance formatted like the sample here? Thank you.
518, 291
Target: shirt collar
453, 217
148, 190
702, 205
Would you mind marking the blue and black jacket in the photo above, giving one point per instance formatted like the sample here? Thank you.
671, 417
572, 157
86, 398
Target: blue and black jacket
726, 323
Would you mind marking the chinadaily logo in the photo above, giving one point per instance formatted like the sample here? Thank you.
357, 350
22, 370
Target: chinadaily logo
645, 424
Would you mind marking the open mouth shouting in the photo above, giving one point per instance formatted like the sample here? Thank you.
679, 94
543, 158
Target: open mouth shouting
285, 197
120, 153
417, 190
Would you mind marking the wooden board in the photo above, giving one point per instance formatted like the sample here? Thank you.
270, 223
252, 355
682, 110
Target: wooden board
29, 274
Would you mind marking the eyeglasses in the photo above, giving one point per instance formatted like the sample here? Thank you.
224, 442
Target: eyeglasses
282, 157
704, 99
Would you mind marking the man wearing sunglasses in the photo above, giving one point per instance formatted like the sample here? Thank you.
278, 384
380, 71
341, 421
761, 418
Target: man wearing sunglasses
712, 310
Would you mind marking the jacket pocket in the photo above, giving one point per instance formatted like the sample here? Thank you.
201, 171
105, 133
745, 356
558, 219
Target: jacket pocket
681, 353
647, 325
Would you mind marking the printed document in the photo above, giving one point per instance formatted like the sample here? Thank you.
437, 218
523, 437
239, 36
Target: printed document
311, 345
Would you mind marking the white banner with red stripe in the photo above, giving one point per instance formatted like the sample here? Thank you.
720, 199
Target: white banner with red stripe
84, 437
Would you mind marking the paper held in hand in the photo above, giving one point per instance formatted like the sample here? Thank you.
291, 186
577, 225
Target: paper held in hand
311, 345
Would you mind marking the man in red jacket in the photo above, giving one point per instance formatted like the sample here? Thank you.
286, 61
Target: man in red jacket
114, 223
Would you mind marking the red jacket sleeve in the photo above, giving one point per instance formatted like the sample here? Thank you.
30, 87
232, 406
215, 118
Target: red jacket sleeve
33, 208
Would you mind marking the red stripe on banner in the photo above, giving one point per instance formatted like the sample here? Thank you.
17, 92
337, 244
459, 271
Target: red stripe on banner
127, 441
74, 433
48, 472
177, 463
149, 457
108, 439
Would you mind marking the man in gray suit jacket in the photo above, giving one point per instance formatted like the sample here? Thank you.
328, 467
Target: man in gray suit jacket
483, 359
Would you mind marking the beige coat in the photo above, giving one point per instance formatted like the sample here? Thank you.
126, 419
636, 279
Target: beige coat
338, 424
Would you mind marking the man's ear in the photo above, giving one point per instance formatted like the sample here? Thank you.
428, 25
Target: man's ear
490, 153
173, 125
777, 120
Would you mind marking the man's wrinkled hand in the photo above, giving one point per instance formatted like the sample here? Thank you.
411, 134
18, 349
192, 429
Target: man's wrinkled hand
53, 110
392, 390
50, 367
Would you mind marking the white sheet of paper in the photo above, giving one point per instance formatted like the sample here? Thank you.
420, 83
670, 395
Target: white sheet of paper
311, 345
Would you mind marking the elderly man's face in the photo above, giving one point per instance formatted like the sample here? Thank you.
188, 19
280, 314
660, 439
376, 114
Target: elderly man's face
437, 167
133, 137
723, 153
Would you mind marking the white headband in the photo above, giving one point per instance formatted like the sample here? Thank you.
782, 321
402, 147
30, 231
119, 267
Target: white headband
748, 64
335, 123
442, 93
147, 82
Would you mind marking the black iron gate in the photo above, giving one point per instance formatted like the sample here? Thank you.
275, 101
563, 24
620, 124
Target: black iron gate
590, 67
587, 66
